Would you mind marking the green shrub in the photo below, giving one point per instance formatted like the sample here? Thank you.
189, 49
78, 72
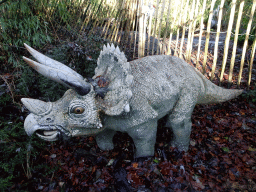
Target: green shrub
20, 22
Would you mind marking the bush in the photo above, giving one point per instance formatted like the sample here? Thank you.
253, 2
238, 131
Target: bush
20, 22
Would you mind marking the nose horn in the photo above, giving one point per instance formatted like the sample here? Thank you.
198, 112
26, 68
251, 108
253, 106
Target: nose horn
36, 106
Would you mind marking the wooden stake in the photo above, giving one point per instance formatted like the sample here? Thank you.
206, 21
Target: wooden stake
246, 42
235, 42
226, 46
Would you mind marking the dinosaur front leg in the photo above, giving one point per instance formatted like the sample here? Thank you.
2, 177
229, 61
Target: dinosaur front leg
144, 138
105, 139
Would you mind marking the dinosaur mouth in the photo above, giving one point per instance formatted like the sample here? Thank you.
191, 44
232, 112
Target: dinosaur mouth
51, 132
48, 135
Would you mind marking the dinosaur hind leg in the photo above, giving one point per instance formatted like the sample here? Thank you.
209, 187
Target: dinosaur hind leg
180, 121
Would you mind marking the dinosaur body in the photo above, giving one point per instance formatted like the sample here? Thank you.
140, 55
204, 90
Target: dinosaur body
123, 96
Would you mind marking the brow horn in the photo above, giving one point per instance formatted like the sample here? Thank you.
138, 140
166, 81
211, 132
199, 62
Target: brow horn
58, 72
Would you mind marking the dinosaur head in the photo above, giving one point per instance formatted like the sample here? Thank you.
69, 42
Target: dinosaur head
78, 111
72, 115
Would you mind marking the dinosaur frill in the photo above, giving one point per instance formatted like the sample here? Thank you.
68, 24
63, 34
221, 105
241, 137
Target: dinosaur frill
114, 71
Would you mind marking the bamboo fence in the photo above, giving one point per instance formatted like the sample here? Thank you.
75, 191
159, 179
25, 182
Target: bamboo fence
185, 29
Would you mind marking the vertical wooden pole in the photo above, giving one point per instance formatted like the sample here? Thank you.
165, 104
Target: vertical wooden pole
200, 35
226, 46
124, 23
141, 30
235, 42
190, 40
85, 19
178, 30
183, 29
150, 4
159, 28
208, 35
136, 28
127, 23
173, 23
119, 18
246, 42
251, 62
217, 40
107, 26
134, 31
97, 18
155, 24
166, 27
193, 31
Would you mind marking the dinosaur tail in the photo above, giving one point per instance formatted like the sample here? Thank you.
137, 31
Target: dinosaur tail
216, 94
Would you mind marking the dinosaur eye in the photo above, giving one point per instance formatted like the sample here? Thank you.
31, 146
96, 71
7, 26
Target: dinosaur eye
78, 110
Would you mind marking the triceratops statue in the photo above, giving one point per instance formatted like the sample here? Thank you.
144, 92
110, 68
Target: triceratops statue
122, 96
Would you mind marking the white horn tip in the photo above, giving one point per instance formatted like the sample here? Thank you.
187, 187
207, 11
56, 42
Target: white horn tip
27, 46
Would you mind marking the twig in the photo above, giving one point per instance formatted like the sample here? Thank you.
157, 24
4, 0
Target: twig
9, 87
29, 175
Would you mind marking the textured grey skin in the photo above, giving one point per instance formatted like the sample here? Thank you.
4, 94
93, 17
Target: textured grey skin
139, 93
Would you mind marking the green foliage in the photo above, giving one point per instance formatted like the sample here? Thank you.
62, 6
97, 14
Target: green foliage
241, 39
21, 23
250, 95
14, 148
35, 85
19, 153
5, 182
244, 21
226, 149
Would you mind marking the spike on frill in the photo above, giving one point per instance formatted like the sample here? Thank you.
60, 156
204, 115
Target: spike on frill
112, 47
104, 48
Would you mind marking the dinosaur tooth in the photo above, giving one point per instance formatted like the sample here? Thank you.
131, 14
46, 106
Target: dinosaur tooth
49, 138
48, 133
127, 108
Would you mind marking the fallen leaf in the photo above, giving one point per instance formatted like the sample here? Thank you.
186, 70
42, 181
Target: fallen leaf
231, 175
251, 149
135, 165
226, 149
216, 138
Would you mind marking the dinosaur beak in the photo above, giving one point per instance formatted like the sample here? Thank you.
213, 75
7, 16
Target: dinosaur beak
57, 71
